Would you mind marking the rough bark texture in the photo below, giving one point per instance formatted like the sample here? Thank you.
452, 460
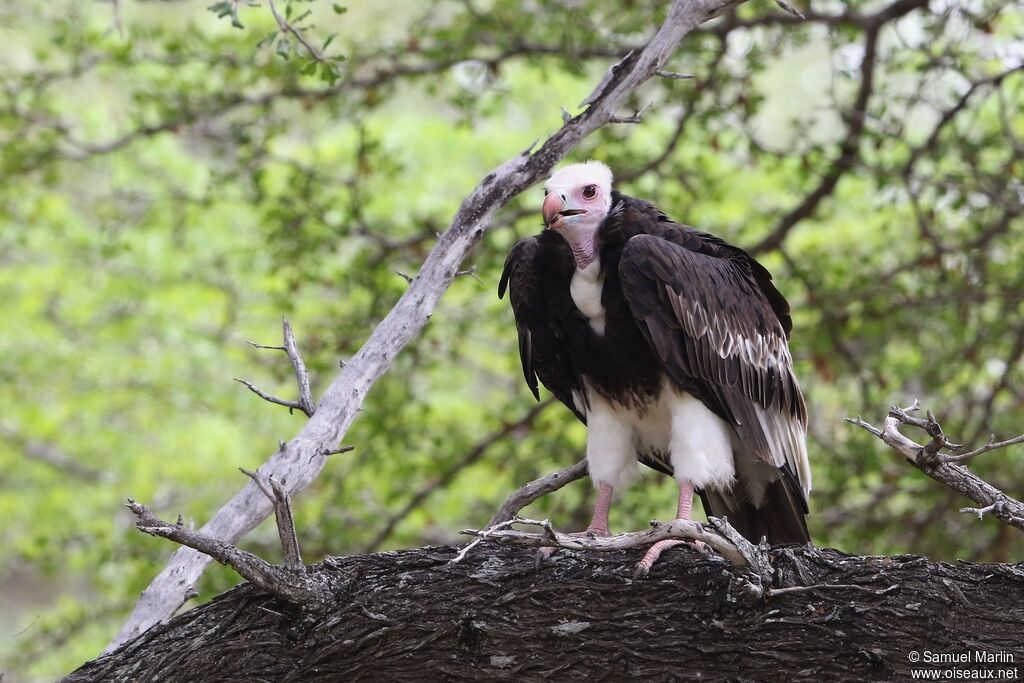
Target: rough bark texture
410, 615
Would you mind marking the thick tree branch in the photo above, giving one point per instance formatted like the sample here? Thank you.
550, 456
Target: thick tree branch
296, 464
945, 468
494, 616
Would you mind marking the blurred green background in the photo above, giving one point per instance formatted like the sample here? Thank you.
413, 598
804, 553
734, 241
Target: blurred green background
171, 185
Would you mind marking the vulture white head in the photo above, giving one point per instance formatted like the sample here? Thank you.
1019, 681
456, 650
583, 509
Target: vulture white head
577, 199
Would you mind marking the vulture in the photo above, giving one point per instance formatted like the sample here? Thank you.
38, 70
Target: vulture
671, 345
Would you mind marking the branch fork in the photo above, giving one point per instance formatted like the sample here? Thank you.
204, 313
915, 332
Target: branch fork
947, 468
305, 401
291, 582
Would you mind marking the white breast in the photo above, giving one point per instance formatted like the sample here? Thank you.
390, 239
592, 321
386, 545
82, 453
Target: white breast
585, 289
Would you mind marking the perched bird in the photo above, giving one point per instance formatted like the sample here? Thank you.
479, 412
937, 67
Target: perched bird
672, 346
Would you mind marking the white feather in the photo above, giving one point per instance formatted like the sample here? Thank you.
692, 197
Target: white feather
698, 442
585, 288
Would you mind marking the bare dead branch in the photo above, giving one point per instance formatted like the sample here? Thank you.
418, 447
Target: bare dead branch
537, 488
945, 468
305, 402
284, 517
299, 365
992, 445
292, 586
742, 554
340, 403
290, 405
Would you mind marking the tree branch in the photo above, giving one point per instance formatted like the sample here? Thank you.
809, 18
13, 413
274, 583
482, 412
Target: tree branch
718, 535
305, 402
537, 488
945, 468
289, 585
295, 464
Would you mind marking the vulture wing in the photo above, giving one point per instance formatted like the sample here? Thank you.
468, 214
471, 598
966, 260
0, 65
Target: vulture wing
537, 274
719, 328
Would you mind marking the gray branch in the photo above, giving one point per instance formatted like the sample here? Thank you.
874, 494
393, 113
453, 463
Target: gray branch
945, 468
295, 465
305, 403
537, 488
290, 585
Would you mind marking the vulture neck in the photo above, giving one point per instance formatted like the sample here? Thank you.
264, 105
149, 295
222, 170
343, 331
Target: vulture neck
582, 241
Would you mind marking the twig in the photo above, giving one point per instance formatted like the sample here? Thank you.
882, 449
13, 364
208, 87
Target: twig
290, 405
486, 533
288, 28
273, 490
786, 7
990, 446
299, 365
672, 75
537, 488
305, 402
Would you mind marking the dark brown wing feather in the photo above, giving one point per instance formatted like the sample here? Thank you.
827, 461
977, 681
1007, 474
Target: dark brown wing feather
537, 274
720, 328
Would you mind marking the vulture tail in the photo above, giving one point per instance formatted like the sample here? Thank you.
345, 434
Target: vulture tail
780, 518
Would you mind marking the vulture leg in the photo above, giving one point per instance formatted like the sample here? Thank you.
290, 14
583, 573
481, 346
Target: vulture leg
684, 511
598, 523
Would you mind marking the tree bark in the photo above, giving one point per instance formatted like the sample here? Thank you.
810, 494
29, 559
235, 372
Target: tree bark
410, 615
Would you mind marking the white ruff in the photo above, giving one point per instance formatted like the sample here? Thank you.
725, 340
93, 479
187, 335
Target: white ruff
699, 442
585, 289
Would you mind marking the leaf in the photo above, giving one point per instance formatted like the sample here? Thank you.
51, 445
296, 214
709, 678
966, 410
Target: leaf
340, 9
284, 48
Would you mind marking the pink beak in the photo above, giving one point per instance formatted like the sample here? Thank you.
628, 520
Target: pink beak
553, 204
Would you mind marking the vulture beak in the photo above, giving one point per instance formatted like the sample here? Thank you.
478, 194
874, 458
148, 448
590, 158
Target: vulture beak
555, 208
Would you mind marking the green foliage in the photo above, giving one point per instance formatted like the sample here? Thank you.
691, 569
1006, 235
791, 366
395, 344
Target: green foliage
171, 192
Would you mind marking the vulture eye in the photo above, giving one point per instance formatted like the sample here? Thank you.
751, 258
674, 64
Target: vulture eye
545, 192
590, 191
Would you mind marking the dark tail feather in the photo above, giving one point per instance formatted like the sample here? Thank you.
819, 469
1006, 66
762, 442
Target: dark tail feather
780, 518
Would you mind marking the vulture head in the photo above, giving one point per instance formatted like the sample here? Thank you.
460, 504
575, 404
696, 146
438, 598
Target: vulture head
577, 199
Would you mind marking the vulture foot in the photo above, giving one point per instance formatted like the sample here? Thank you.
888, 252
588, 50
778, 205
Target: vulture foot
643, 567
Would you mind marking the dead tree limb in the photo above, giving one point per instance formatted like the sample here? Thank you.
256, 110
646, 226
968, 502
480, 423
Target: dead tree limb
305, 402
295, 464
946, 468
535, 489
291, 582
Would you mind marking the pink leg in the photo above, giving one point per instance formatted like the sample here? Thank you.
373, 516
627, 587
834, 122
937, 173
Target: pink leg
598, 523
683, 511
